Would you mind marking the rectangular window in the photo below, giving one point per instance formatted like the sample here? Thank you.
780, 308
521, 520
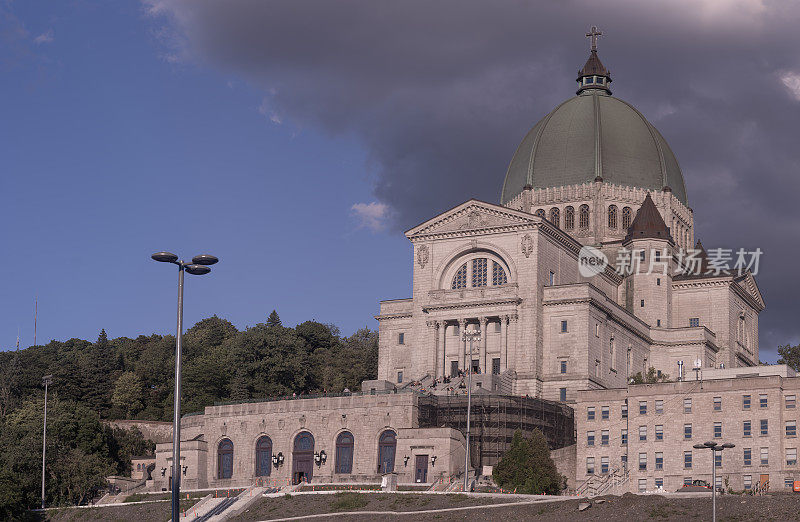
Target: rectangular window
790, 402
717, 430
642, 407
642, 461
563, 327
791, 456
453, 368
659, 460
659, 407
624, 459
748, 457
764, 427
597, 329
747, 482
658, 281
604, 437
765, 456
746, 428
624, 437
687, 460
658, 322
496, 366
659, 483
605, 412
718, 459
562, 366
745, 402
624, 410
643, 433
590, 465
687, 431
399, 377
562, 394
719, 483
717, 403
590, 438
659, 432
694, 321
791, 428
401, 338
604, 465
687, 405
552, 278
641, 305
642, 485
788, 482
762, 400
590, 413
687, 481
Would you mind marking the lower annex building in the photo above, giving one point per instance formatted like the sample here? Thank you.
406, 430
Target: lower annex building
591, 176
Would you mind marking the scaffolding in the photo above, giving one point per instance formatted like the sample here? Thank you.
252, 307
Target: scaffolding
495, 418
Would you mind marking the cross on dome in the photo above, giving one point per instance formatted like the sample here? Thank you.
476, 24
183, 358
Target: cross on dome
593, 34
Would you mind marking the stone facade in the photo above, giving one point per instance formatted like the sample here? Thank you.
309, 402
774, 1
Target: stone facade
753, 408
366, 417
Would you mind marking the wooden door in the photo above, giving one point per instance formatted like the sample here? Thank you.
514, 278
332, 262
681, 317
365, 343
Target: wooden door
421, 469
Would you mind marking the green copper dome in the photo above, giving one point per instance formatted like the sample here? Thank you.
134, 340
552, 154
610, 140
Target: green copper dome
590, 136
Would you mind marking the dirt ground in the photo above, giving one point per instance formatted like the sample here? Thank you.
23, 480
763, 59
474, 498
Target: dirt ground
628, 508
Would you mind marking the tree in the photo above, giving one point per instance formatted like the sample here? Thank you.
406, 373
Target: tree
128, 392
651, 377
790, 356
527, 467
273, 319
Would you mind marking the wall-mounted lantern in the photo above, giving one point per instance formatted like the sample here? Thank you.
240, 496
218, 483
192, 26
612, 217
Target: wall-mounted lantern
277, 460
433, 460
405, 460
320, 458
163, 471
184, 469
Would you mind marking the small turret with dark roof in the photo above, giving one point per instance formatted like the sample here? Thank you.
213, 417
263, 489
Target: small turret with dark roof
594, 74
648, 223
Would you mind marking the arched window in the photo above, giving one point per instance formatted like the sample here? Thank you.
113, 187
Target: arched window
541, 213
344, 452
626, 217
479, 272
569, 218
387, 444
460, 279
583, 219
225, 459
498, 274
555, 216
612, 216
263, 457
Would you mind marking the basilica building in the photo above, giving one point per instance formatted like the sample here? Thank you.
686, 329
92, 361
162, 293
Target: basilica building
553, 305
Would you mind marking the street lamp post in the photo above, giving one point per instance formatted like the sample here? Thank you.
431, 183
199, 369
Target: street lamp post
714, 447
46, 380
474, 335
198, 266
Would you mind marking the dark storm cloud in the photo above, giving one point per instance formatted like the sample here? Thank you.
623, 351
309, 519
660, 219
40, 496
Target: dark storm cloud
440, 93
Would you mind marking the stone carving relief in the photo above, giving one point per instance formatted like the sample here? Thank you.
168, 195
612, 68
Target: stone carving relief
281, 424
423, 254
527, 245
302, 421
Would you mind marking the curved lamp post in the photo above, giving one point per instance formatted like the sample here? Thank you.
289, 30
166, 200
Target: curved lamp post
714, 447
200, 265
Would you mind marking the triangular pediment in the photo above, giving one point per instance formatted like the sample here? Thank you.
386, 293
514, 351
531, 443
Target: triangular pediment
470, 216
748, 283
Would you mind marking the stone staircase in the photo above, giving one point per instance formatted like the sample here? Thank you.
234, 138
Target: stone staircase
614, 483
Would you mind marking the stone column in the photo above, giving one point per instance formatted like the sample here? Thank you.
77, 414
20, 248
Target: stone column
442, 326
513, 336
433, 325
484, 334
503, 343
462, 327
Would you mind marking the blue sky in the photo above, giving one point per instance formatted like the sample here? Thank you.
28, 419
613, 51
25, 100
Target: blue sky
297, 139
111, 152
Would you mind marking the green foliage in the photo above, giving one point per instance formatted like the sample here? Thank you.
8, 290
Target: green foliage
527, 467
651, 377
273, 319
790, 356
128, 394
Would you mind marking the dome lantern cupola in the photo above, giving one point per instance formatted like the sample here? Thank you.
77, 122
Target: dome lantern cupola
594, 75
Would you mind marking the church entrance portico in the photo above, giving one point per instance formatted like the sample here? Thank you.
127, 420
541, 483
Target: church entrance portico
303, 458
